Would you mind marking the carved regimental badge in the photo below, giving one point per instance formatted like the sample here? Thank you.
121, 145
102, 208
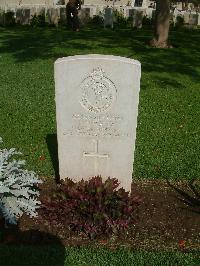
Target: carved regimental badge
98, 92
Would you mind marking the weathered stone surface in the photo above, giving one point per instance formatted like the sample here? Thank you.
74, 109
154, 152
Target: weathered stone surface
97, 100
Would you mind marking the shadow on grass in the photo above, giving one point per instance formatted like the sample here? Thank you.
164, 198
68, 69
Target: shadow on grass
166, 82
28, 44
31, 247
191, 197
52, 144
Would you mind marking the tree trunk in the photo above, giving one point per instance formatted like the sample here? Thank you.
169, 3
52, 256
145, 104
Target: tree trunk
161, 31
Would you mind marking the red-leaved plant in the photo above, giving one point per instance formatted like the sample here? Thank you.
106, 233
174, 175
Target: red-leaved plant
93, 207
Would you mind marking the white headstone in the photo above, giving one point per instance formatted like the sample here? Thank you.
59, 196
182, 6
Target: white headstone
97, 100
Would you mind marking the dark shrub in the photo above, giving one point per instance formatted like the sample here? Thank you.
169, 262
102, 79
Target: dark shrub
179, 21
120, 19
97, 20
37, 21
9, 18
146, 21
93, 207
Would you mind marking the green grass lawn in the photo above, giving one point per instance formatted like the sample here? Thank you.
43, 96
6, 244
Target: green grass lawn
168, 133
58, 256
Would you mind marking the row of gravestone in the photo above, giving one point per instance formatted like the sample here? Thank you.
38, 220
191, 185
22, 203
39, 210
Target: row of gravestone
188, 18
53, 16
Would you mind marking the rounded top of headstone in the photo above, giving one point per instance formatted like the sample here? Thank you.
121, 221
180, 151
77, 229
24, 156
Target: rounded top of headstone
98, 57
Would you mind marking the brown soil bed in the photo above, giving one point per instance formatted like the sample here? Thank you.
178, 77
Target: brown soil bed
167, 220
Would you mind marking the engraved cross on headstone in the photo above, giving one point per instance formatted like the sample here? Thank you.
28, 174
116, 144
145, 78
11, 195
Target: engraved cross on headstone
96, 155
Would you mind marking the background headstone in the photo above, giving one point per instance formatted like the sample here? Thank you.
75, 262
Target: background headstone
23, 16
128, 11
186, 17
108, 17
33, 12
174, 15
138, 16
18, 15
153, 16
84, 15
40, 11
193, 19
63, 18
93, 10
149, 12
97, 100
198, 21
2, 17
52, 16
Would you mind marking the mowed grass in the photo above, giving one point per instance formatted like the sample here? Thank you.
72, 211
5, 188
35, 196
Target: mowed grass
168, 132
60, 256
